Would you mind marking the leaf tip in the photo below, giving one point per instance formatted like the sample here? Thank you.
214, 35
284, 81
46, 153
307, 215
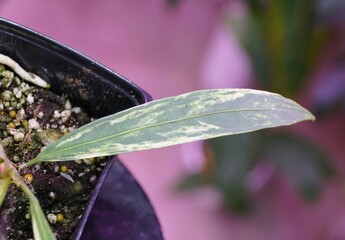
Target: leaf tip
309, 116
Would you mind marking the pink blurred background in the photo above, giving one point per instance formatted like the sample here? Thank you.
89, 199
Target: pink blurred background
171, 51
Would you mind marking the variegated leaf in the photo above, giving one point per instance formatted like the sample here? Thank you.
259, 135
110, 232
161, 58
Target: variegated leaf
40, 225
170, 121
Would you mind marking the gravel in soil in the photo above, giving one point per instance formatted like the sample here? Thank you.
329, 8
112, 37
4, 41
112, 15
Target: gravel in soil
30, 119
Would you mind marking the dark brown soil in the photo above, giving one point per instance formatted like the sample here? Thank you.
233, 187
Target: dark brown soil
61, 187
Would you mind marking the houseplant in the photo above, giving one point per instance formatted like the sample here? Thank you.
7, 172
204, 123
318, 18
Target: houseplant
110, 93
188, 117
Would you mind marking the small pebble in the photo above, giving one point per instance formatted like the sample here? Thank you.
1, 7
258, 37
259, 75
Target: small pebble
63, 169
60, 217
12, 114
19, 136
93, 178
28, 177
52, 195
30, 99
33, 124
52, 218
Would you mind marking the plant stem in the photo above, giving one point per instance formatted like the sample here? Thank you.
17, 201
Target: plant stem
28, 192
40, 225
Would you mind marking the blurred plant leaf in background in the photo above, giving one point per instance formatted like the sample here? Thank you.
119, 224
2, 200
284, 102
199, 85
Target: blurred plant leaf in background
194, 181
305, 164
328, 94
282, 42
234, 157
230, 159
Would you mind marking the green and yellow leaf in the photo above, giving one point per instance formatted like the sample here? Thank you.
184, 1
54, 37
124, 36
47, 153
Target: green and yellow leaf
40, 225
189, 117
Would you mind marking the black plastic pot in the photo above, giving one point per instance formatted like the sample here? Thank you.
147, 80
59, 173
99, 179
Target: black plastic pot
118, 207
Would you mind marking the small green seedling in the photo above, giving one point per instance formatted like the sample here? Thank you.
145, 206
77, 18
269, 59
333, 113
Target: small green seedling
189, 117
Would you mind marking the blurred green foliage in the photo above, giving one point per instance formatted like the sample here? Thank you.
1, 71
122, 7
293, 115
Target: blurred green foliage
304, 163
231, 161
282, 41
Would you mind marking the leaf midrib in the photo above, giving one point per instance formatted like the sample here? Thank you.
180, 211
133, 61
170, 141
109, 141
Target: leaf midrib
153, 125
